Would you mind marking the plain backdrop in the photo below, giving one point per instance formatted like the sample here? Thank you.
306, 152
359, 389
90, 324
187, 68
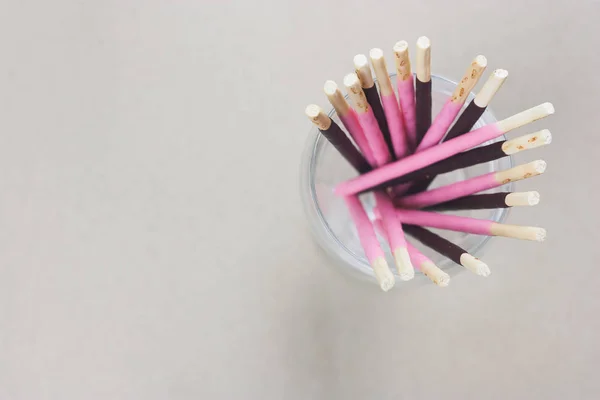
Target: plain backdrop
152, 240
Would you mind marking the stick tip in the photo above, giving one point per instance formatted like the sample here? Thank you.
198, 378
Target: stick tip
376, 53
401, 46
351, 80
546, 136
481, 61
501, 74
539, 166
523, 199
360, 61
533, 198
540, 234
443, 280
330, 88
403, 264
548, 108
436, 275
423, 42
312, 110
383, 274
474, 265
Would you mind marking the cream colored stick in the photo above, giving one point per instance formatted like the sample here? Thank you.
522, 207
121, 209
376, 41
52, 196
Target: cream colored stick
381, 72
520, 172
434, 273
525, 117
518, 232
474, 265
424, 59
526, 142
517, 199
469, 80
356, 94
361, 65
336, 98
383, 274
402, 60
318, 117
490, 88
427, 267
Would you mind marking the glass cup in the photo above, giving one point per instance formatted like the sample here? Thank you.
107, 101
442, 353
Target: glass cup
322, 168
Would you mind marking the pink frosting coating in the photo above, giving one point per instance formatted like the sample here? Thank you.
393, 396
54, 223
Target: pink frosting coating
396, 124
377, 144
366, 233
353, 127
391, 223
406, 95
440, 125
415, 161
416, 257
450, 192
445, 221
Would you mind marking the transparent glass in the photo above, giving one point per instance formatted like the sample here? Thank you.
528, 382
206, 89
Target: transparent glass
322, 168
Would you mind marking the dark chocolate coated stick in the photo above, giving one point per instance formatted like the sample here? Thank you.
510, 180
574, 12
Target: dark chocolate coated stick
372, 95
466, 121
447, 249
423, 108
423, 88
363, 71
488, 201
336, 136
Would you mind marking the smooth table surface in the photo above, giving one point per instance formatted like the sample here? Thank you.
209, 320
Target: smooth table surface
152, 241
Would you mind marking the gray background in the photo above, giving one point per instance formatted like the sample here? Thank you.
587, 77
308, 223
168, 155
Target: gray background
152, 241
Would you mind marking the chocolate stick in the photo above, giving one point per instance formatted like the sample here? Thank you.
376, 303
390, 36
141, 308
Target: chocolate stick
448, 249
372, 94
423, 88
349, 119
488, 201
393, 113
334, 134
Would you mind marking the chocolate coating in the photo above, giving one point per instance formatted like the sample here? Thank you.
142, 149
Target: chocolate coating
372, 95
336, 136
465, 121
435, 242
423, 108
473, 202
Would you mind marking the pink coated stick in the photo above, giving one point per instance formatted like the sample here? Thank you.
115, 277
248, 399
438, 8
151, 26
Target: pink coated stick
420, 160
366, 233
391, 223
350, 121
445, 221
440, 125
377, 144
406, 97
395, 122
416, 256
450, 192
